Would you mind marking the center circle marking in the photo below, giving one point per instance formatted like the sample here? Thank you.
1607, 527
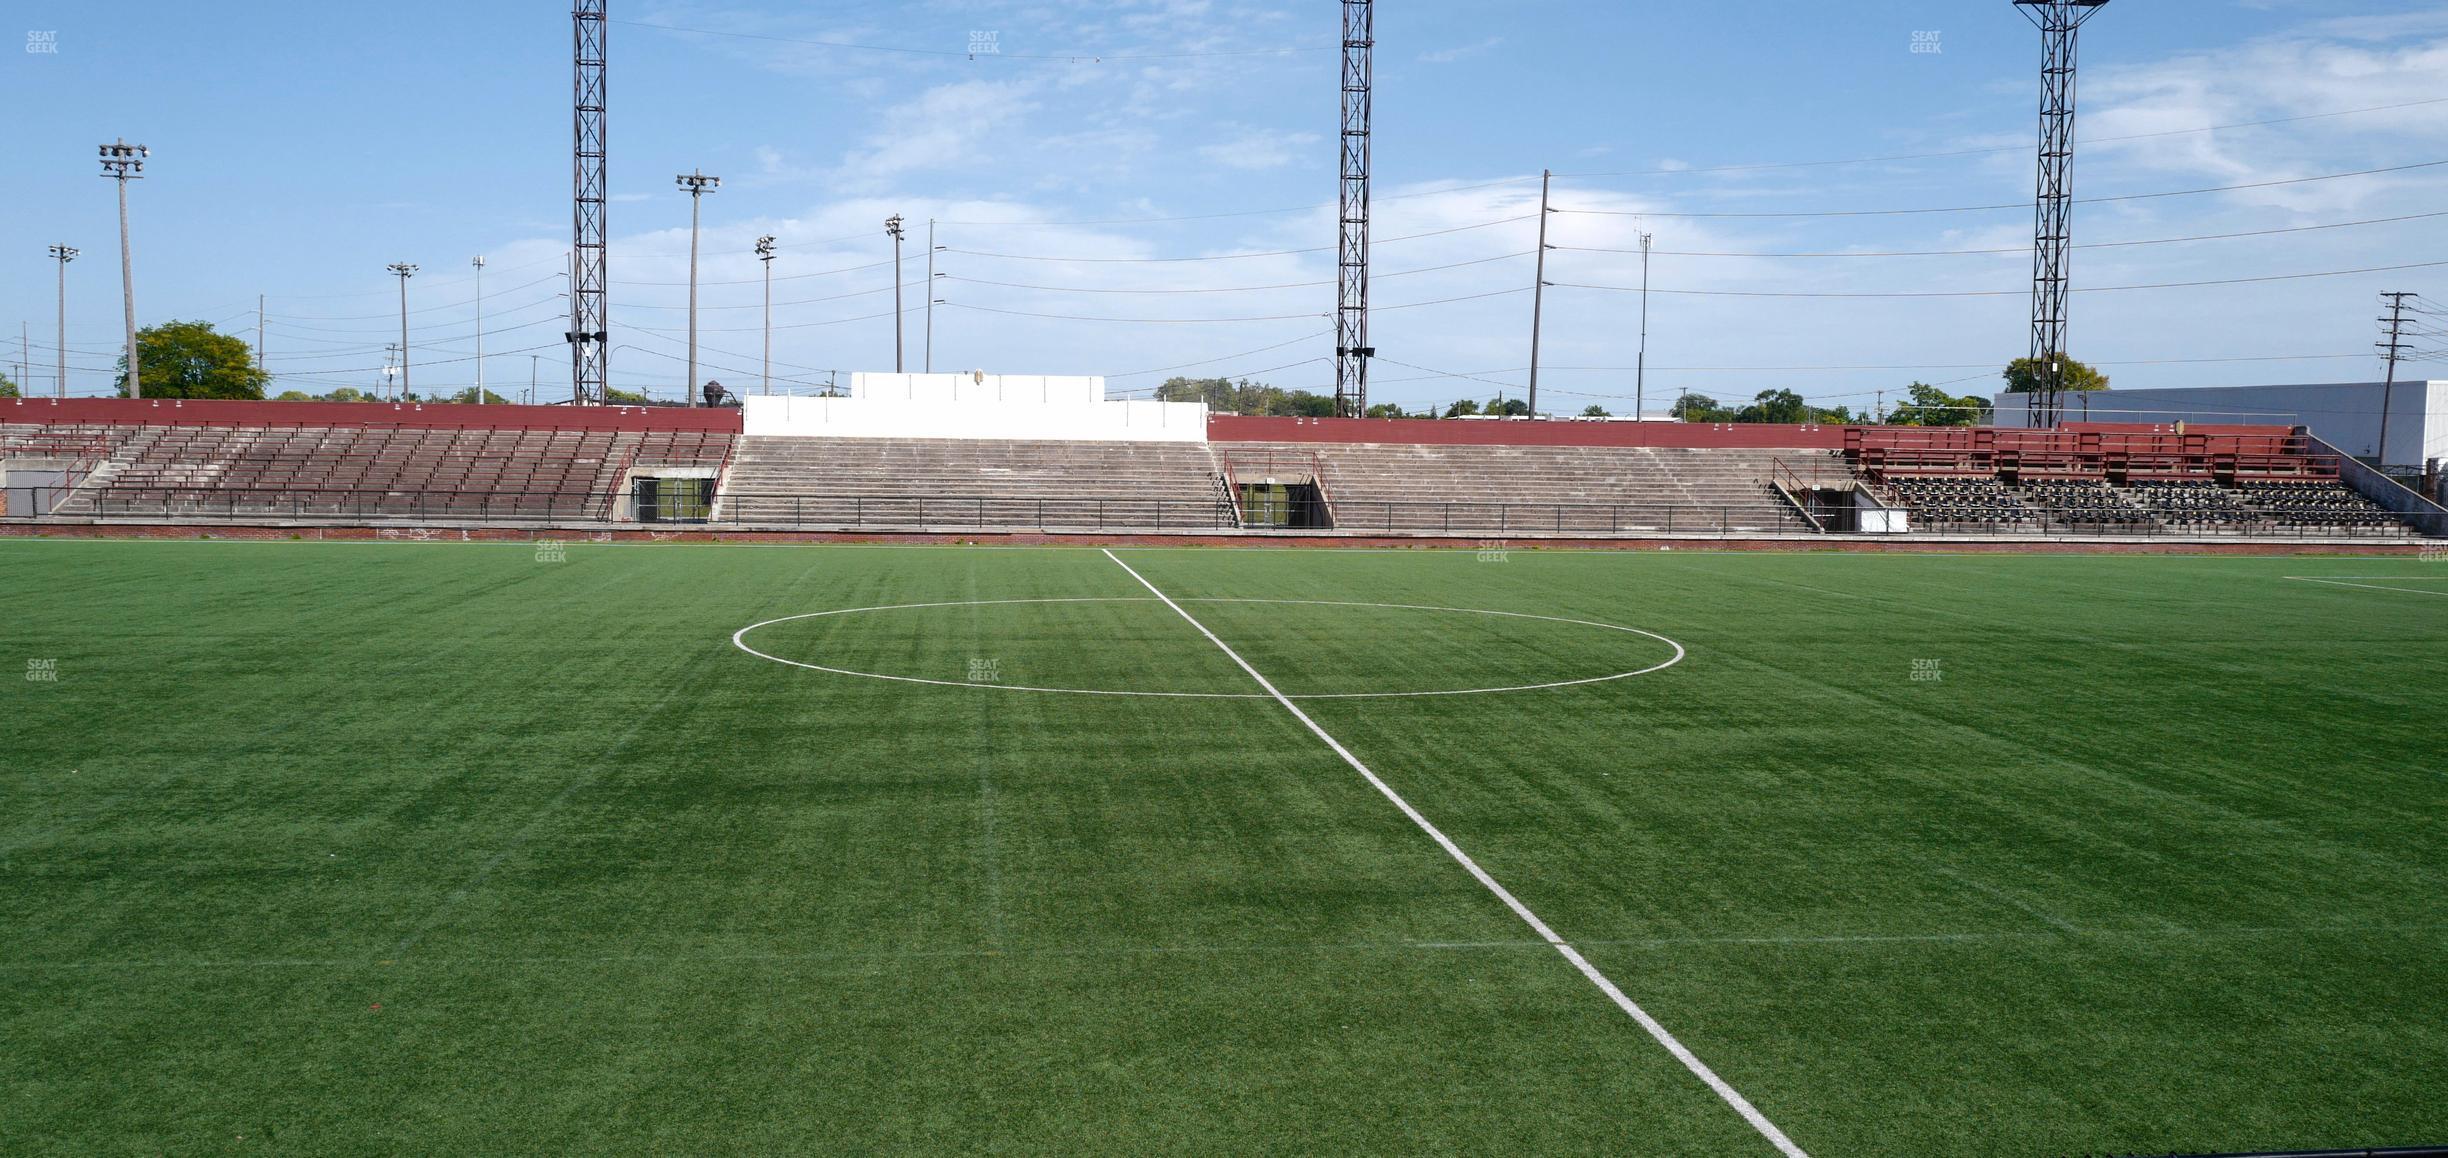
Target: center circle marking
739, 639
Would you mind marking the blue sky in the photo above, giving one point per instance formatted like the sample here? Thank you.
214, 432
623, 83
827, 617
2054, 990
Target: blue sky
298, 149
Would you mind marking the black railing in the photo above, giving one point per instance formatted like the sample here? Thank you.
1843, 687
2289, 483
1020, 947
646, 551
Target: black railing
988, 512
2041, 522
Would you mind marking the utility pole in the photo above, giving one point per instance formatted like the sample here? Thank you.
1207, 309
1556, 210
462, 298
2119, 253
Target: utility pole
259, 303
697, 184
765, 255
125, 162
390, 370
405, 271
1880, 411
2393, 349
1640, 363
63, 254
533, 360
2053, 206
1538, 290
479, 263
892, 226
932, 249
1352, 349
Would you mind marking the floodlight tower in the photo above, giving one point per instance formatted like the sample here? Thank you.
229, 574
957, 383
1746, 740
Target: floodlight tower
65, 254
698, 185
765, 256
892, 227
125, 162
1352, 349
2053, 207
590, 319
405, 270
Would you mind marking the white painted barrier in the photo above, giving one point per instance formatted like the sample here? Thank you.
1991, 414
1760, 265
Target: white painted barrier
976, 406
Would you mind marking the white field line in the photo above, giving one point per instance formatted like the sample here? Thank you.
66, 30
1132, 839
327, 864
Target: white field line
2371, 587
739, 639
1691, 1061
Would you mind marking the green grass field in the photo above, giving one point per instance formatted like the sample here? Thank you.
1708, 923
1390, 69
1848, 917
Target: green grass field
326, 848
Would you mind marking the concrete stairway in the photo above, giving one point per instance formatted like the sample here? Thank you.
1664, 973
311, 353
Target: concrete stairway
907, 483
1494, 490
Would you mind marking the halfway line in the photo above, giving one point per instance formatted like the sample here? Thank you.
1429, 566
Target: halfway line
2371, 587
1692, 1062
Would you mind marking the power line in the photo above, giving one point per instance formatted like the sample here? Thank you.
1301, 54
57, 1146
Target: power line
1995, 149
1232, 321
1240, 256
2094, 289
1230, 289
2016, 205
2025, 249
975, 54
1224, 357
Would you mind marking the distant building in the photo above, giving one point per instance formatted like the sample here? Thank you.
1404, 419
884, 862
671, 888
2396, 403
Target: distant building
2345, 415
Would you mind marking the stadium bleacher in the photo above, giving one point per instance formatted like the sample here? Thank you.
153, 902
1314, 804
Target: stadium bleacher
919, 483
373, 471
404, 462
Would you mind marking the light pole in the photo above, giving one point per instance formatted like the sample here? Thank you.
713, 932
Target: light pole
1640, 366
390, 368
405, 270
892, 226
64, 254
479, 263
125, 162
765, 255
697, 184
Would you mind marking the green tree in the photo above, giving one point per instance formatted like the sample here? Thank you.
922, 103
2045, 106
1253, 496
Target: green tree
192, 360
293, 396
614, 396
2023, 376
349, 394
1593, 410
1691, 407
468, 396
1226, 396
8, 389
1930, 406
1775, 406
1385, 410
1507, 408
1304, 404
1462, 408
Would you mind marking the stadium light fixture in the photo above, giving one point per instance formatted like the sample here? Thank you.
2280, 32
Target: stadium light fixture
405, 270
765, 254
125, 162
63, 254
892, 227
698, 185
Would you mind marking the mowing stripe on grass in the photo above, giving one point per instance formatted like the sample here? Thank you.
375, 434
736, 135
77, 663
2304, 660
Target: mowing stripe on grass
1691, 1061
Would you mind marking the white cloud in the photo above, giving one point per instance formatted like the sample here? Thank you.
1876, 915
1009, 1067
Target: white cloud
1259, 149
1458, 52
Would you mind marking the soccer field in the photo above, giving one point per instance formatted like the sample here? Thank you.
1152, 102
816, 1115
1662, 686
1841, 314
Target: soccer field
338, 848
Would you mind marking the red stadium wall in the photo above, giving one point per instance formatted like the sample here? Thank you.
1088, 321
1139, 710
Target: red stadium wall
439, 416
1469, 432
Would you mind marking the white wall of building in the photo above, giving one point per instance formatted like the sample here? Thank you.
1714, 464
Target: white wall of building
978, 406
2346, 415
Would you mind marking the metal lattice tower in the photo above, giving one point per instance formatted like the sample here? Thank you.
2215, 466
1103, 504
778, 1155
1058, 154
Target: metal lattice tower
2053, 206
590, 325
1352, 349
